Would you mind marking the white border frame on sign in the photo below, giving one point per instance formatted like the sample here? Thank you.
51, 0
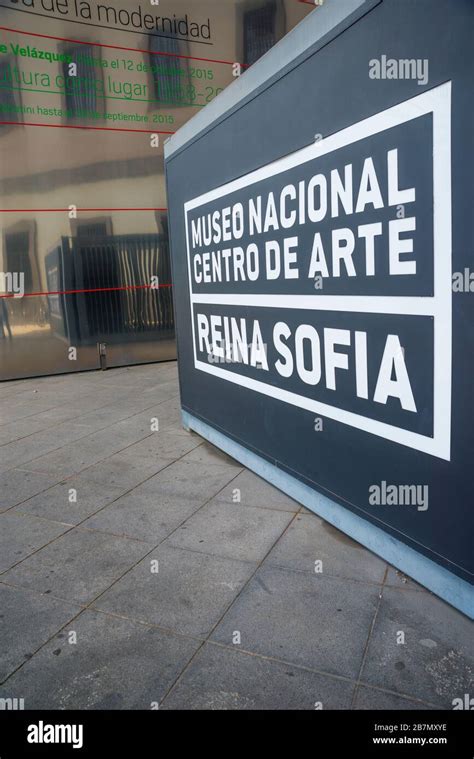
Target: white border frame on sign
438, 102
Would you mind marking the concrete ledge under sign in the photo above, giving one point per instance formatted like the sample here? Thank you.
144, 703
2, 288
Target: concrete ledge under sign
435, 578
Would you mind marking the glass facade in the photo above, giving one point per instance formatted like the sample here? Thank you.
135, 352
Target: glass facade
89, 92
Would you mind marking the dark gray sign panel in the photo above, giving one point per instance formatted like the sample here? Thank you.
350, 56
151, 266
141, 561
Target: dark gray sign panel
320, 336
342, 316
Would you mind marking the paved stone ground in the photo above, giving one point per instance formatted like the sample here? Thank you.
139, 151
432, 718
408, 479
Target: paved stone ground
136, 592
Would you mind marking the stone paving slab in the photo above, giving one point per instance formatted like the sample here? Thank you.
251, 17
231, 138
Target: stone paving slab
10, 433
232, 531
23, 452
312, 545
78, 566
207, 455
115, 664
12, 412
253, 491
188, 594
60, 504
221, 678
436, 660
145, 516
190, 480
70, 459
28, 620
21, 536
16, 485
318, 622
119, 472
164, 444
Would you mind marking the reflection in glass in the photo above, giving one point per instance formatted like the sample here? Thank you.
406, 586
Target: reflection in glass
84, 141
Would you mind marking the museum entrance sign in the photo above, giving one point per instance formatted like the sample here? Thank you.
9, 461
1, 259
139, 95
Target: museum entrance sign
333, 262
323, 340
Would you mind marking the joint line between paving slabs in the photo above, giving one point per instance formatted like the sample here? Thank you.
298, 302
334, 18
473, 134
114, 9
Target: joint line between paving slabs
369, 635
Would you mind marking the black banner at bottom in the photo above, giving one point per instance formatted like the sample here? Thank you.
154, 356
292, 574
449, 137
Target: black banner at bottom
382, 733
